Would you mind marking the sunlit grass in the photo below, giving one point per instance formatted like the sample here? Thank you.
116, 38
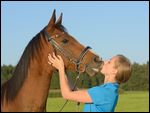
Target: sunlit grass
136, 101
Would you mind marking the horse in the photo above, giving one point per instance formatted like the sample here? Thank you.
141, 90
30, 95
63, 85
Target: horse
28, 88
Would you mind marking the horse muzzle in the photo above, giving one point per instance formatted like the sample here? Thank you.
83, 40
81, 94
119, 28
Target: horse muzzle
94, 69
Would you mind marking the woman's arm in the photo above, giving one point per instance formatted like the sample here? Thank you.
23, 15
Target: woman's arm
79, 96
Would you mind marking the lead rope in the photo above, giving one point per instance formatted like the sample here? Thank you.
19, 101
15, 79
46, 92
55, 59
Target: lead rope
78, 103
74, 87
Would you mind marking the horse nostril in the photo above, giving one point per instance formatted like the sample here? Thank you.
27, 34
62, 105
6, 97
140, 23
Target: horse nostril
97, 59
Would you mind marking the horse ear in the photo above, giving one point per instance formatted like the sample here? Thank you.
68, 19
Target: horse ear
59, 21
53, 19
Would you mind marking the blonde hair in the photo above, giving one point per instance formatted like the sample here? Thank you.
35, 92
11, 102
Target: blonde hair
123, 66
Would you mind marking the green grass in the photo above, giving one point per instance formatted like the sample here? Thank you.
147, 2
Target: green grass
133, 102
136, 101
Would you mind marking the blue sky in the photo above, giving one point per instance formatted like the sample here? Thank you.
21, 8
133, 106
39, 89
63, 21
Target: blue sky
110, 28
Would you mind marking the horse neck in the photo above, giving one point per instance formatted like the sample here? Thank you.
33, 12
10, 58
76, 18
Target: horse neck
29, 87
37, 83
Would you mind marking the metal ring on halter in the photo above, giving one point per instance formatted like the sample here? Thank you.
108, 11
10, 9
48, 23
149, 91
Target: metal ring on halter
79, 67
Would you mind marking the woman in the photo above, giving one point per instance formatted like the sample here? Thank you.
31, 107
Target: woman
102, 98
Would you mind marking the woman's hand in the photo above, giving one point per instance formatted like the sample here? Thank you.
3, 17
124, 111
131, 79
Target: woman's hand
56, 61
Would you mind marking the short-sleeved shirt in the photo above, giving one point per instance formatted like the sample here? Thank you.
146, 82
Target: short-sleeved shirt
104, 98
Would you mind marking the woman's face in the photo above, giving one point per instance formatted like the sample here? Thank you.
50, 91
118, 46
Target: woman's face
108, 67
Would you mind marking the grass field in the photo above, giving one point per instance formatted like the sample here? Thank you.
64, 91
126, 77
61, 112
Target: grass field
137, 101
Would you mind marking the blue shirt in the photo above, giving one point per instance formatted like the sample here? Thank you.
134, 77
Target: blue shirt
104, 98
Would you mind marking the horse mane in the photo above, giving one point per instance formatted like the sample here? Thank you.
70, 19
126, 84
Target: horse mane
10, 88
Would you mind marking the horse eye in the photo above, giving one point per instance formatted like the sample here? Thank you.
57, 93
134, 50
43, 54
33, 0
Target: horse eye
65, 41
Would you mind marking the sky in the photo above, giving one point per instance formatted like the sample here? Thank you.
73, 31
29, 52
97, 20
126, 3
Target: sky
110, 28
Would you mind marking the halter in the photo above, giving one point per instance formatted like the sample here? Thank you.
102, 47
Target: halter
70, 57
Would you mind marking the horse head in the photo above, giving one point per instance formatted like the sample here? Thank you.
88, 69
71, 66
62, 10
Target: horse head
75, 55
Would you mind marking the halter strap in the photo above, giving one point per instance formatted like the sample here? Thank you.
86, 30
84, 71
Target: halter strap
81, 56
76, 61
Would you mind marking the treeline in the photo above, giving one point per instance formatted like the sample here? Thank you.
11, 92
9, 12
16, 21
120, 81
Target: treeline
139, 79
